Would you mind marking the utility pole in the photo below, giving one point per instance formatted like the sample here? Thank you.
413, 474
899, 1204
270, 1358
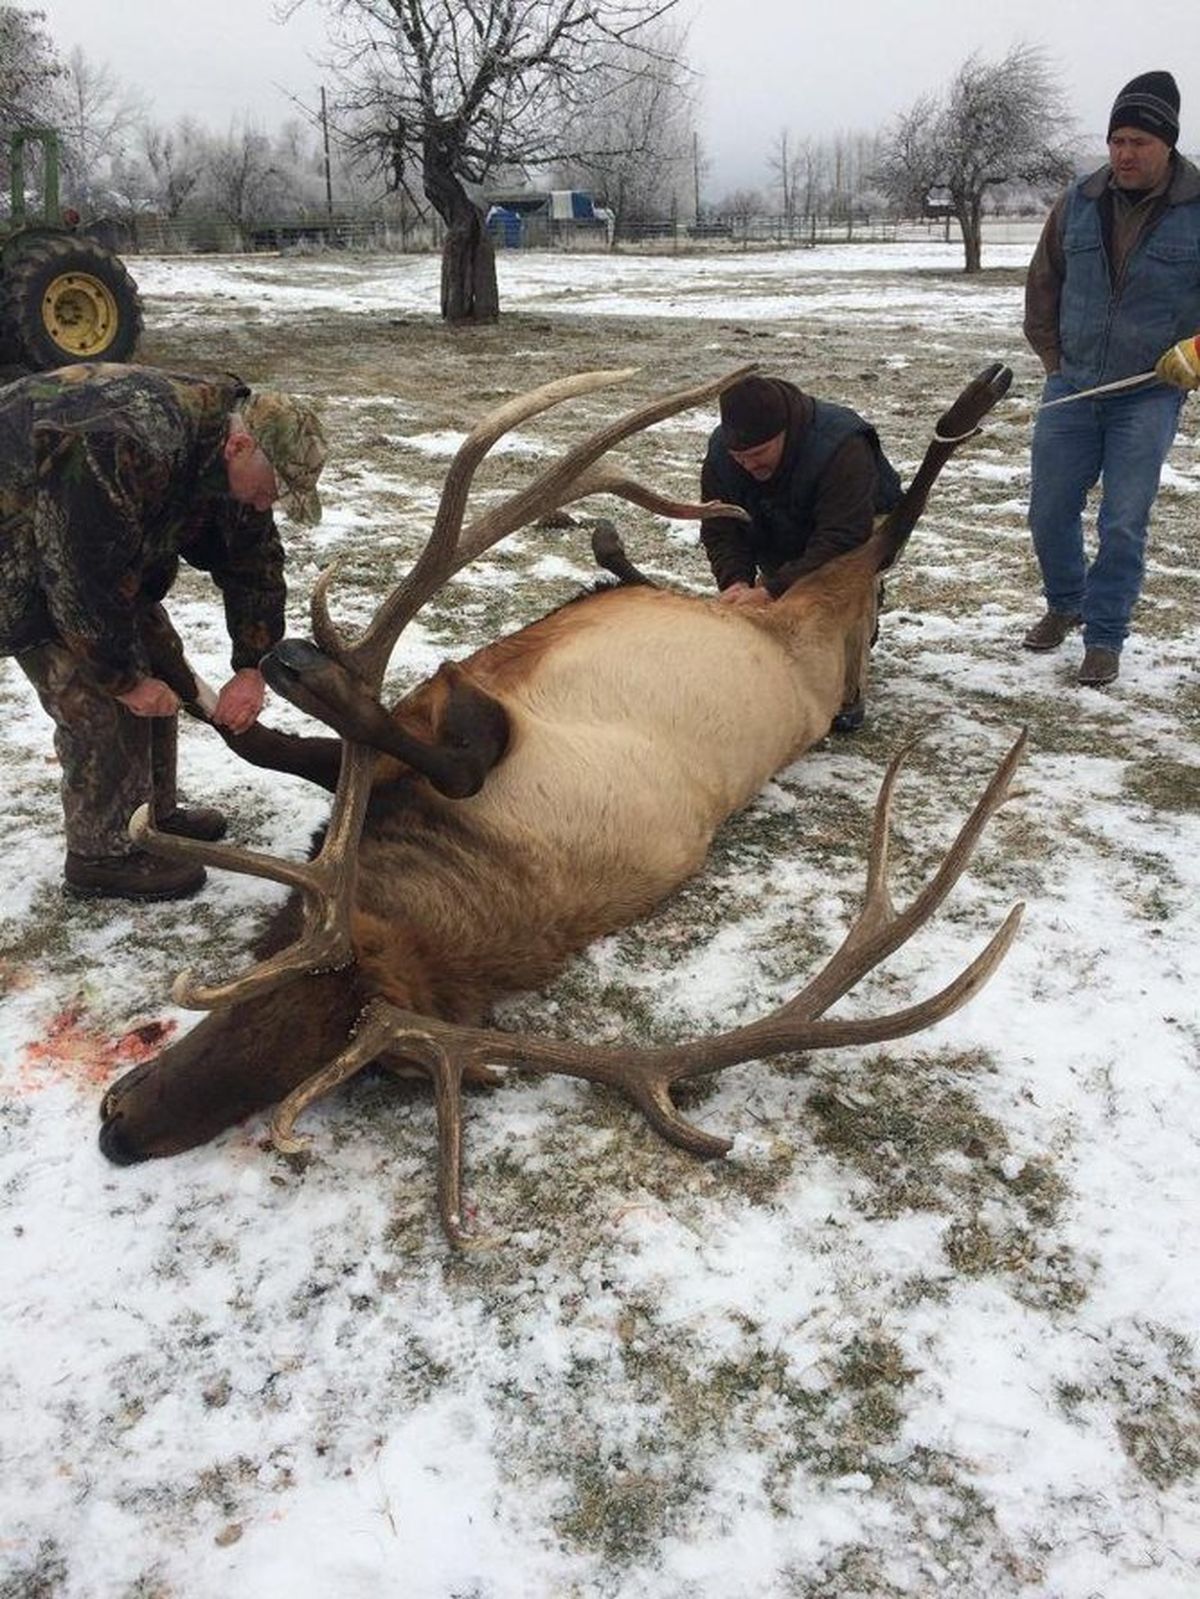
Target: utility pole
325, 141
696, 171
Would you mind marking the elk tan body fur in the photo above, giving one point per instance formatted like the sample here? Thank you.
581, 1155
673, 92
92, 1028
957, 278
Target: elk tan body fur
640, 719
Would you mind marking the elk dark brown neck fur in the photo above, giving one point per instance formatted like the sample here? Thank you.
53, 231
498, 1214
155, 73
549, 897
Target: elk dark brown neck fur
553, 787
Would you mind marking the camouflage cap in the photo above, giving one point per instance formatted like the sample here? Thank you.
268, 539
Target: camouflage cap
291, 437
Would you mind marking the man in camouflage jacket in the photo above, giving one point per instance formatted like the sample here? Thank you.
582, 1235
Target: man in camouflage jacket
109, 475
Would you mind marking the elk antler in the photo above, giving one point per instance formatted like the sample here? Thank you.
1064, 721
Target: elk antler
448, 1051
326, 883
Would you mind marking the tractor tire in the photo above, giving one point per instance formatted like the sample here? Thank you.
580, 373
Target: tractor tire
65, 299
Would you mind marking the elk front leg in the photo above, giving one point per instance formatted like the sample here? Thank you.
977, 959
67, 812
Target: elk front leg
471, 727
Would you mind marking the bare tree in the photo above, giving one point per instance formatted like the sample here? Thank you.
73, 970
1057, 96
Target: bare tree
635, 138
453, 90
999, 123
241, 179
29, 68
741, 204
100, 116
785, 165
175, 157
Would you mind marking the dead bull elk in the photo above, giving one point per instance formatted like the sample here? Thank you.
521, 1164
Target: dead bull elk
551, 788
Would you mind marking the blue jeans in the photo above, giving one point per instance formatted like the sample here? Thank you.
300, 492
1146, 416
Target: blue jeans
1122, 440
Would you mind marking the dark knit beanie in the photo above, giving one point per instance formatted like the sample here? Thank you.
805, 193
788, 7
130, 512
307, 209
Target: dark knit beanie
752, 412
1149, 102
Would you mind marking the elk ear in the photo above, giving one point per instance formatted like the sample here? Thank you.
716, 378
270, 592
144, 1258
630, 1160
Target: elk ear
470, 728
475, 727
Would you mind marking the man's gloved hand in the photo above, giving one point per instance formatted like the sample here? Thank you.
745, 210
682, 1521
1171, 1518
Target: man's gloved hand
1180, 365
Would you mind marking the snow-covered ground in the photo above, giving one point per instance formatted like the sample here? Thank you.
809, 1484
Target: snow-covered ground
754, 286
930, 1329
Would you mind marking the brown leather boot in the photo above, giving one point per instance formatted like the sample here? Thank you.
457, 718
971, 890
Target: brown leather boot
1100, 667
1048, 632
138, 875
194, 821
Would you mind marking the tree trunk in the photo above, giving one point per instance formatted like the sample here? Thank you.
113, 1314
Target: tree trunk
469, 289
971, 223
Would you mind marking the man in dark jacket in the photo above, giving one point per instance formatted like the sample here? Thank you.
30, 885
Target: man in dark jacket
108, 476
1114, 282
813, 478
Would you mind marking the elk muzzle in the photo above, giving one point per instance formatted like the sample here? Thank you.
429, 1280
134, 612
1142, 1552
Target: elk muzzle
234, 1063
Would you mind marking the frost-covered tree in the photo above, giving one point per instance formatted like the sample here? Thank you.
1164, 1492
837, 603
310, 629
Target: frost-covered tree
175, 159
99, 119
29, 68
241, 179
999, 123
635, 139
452, 91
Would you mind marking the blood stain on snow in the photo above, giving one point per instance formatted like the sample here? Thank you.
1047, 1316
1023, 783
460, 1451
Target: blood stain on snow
74, 1048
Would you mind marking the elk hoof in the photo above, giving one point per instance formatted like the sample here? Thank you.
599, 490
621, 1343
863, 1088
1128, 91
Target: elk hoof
294, 656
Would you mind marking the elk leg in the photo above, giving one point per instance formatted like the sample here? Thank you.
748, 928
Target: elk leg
609, 552
953, 428
472, 727
318, 760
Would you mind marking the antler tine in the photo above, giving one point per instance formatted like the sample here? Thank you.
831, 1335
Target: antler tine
386, 1033
879, 930
441, 558
327, 883
295, 874
556, 486
327, 636
447, 1050
611, 480
449, 548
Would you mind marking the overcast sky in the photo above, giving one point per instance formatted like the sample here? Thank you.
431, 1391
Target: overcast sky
812, 67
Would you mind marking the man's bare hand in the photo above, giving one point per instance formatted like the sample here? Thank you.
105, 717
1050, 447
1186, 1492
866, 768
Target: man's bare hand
150, 697
240, 701
744, 594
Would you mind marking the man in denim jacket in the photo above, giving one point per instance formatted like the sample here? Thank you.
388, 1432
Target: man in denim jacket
1114, 282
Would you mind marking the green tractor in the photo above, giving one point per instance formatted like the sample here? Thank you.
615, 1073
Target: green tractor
64, 297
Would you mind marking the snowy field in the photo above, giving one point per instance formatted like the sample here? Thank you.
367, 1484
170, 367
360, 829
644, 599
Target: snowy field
930, 1330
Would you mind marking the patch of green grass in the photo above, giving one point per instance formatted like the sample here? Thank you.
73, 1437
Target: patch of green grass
1162, 784
895, 1122
1152, 1384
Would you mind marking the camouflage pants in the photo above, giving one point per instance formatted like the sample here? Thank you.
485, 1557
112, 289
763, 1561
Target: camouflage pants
112, 761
